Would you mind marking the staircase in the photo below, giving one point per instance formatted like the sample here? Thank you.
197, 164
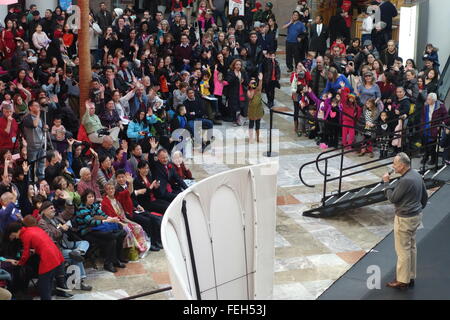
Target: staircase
339, 201
370, 194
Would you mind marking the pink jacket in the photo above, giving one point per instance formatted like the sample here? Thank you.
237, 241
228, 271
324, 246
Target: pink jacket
218, 84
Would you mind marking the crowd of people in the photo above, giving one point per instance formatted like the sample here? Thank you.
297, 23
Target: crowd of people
74, 185
359, 93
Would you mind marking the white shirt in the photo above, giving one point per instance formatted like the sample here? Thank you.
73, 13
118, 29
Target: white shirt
319, 29
367, 25
430, 111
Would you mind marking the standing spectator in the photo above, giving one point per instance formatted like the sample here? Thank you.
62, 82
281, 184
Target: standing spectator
368, 89
318, 36
237, 80
272, 74
389, 54
387, 12
255, 107
295, 35
433, 114
338, 26
34, 132
9, 129
367, 26
104, 17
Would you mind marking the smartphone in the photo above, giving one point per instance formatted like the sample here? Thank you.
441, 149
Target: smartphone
15, 156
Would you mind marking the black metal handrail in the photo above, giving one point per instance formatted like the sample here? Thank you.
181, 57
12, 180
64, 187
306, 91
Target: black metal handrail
397, 134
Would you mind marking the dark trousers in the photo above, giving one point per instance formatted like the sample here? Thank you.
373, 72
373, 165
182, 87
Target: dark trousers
430, 149
292, 53
110, 243
151, 223
254, 124
45, 282
220, 14
270, 92
159, 206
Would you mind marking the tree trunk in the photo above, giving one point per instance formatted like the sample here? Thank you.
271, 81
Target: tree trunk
84, 55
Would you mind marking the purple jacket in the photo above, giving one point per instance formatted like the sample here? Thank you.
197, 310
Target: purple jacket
324, 106
123, 164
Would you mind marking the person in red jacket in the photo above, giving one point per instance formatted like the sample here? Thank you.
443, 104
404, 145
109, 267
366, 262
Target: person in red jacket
51, 263
8, 129
350, 113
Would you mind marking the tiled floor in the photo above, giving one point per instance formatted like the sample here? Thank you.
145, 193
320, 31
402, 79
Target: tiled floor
310, 253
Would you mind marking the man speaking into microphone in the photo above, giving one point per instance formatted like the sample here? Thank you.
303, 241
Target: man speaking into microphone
409, 197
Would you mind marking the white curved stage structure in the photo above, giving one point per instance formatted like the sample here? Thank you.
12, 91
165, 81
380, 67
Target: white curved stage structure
226, 248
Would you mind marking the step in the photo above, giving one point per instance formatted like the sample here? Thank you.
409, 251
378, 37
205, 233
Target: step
345, 197
331, 200
440, 173
428, 174
361, 193
379, 187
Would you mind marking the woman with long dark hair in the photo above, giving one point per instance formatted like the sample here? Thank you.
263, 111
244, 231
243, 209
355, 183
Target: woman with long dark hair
146, 190
237, 80
8, 39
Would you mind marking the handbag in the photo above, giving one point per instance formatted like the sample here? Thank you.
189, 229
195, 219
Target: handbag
106, 227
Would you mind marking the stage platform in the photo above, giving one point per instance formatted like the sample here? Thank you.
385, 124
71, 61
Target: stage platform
433, 261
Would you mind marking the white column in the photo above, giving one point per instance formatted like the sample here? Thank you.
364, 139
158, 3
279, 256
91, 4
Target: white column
42, 5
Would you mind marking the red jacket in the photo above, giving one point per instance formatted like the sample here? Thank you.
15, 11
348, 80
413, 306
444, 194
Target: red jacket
37, 239
108, 208
349, 113
5, 138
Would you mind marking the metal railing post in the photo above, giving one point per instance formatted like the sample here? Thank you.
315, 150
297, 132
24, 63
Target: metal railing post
269, 152
325, 183
340, 171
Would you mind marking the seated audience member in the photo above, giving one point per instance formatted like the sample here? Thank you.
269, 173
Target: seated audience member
99, 229
146, 190
165, 172
94, 128
58, 228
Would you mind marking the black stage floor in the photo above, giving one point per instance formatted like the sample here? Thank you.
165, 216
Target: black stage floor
433, 261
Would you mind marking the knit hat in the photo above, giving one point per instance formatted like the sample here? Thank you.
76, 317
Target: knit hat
258, 5
118, 11
367, 43
269, 4
45, 205
352, 95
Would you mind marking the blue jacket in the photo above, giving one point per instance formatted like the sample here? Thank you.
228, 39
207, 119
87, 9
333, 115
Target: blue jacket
333, 87
294, 30
134, 128
8, 215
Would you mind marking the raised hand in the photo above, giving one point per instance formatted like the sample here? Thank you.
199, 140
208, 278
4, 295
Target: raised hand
153, 143
129, 177
25, 167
